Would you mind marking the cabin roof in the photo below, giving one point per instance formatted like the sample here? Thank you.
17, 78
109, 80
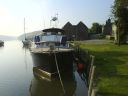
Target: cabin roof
53, 30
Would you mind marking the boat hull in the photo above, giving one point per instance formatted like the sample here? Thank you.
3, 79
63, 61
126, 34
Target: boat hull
1, 43
25, 43
47, 62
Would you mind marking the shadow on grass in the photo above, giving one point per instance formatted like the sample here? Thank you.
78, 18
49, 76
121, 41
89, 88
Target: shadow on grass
110, 94
111, 64
107, 62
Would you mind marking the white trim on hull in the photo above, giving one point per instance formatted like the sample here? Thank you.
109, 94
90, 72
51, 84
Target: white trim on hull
42, 72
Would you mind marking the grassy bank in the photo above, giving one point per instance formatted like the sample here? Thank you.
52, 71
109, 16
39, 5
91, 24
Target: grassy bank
112, 67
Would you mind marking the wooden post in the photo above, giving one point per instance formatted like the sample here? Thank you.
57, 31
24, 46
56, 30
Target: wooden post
94, 91
118, 34
89, 64
91, 81
92, 62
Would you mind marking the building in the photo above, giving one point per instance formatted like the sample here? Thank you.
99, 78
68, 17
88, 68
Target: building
107, 28
77, 32
114, 30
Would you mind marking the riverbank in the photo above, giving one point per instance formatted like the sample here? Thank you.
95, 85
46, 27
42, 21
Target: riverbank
111, 66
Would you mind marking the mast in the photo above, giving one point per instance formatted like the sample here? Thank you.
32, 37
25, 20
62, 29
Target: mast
24, 28
44, 23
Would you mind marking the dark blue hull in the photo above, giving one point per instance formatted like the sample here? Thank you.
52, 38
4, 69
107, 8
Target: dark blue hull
47, 63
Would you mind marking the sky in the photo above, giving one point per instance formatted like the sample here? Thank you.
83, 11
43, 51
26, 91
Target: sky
37, 14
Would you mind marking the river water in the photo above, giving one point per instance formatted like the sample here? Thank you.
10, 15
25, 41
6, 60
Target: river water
17, 76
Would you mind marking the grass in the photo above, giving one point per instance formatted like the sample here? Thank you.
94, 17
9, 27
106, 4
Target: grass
113, 71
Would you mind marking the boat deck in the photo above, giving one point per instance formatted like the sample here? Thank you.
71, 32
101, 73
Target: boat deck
47, 50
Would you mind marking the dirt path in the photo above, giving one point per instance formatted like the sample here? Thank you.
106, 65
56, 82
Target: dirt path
94, 37
93, 41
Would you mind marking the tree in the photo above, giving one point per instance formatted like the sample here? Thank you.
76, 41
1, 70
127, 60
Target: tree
119, 13
96, 28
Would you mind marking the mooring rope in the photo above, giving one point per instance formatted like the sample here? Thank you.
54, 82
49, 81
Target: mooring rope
58, 72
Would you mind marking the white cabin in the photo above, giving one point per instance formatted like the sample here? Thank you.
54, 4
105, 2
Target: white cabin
50, 37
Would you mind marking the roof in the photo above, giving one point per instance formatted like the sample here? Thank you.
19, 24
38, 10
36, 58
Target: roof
67, 24
53, 30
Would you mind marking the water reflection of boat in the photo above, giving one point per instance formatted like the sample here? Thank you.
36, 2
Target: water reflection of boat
43, 86
25, 47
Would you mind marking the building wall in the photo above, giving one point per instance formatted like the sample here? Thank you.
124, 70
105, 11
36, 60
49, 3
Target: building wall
78, 32
82, 31
107, 28
114, 28
69, 29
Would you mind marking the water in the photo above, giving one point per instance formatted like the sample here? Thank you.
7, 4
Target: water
17, 77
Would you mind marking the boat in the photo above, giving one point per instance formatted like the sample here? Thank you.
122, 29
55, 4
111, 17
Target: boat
43, 86
1, 43
25, 41
51, 52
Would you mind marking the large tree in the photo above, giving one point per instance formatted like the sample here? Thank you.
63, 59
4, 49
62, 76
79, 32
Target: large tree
119, 13
96, 28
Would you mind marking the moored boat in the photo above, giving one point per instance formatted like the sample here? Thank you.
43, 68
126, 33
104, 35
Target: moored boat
26, 41
50, 50
1, 43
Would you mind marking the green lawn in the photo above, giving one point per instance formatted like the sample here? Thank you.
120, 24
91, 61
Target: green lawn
113, 71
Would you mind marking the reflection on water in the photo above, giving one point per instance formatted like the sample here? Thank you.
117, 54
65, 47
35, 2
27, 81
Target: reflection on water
19, 78
1, 47
41, 86
83, 76
24, 48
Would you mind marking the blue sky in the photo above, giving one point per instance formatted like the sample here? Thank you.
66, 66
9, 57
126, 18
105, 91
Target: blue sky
35, 12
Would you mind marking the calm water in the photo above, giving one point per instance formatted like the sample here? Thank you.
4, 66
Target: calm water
17, 76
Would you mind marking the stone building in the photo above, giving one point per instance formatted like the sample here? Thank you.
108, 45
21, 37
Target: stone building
114, 34
107, 28
77, 32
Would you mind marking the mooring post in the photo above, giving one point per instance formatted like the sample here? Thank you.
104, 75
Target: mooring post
94, 91
91, 81
92, 62
89, 64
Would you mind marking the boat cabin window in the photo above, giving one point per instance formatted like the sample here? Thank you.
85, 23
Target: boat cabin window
59, 33
44, 33
48, 33
53, 33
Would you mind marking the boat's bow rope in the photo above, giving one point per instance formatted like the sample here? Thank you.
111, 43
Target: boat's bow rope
59, 72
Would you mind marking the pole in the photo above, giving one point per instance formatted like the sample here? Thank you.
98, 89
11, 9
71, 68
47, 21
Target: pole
118, 35
24, 28
91, 81
44, 23
57, 41
94, 91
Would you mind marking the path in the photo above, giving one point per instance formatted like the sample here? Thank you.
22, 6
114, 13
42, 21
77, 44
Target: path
94, 37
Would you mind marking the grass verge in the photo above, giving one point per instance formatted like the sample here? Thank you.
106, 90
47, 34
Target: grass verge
111, 66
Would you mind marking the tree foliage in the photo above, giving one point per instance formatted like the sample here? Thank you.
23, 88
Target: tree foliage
119, 13
96, 28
